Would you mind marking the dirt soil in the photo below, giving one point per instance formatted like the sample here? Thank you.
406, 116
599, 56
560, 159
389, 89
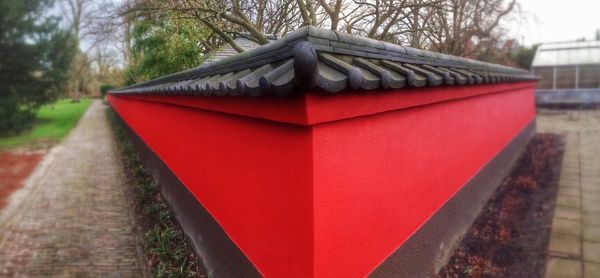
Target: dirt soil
510, 236
15, 168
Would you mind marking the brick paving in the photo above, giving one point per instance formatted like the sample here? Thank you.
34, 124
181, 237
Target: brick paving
72, 218
574, 249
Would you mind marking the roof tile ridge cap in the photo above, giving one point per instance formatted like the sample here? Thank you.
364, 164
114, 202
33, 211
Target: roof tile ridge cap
212, 54
323, 33
265, 48
296, 35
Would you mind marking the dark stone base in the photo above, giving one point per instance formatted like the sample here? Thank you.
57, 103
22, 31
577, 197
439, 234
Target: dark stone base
221, 257
429, 249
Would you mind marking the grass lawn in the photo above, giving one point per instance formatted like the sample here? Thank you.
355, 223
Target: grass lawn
53, 122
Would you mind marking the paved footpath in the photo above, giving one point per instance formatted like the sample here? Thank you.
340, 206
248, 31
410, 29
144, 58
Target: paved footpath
574, 249
72, 218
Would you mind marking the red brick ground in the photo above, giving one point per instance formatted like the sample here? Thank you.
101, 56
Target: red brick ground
15, 167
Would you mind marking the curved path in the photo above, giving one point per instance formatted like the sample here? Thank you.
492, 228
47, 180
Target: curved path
73, 217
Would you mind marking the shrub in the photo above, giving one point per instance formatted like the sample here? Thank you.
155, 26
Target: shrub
104, 88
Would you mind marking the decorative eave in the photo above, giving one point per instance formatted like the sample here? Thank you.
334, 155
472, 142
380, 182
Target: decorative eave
317, 59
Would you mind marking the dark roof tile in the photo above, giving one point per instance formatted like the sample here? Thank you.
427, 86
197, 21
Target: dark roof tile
312, 58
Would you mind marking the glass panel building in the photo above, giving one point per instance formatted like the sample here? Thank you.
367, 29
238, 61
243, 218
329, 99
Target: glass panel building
568, 65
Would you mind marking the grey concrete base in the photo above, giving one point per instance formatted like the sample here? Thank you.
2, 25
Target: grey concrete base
429, 249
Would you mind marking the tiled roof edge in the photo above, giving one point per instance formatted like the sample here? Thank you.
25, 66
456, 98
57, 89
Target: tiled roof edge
344, 43
304, 50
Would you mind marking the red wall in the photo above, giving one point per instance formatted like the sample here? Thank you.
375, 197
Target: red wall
253, 176
340, 188
378, 178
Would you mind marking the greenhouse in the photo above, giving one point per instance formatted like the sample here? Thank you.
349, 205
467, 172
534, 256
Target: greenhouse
572, 65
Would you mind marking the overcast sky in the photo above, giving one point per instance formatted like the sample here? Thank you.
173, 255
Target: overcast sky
552, 20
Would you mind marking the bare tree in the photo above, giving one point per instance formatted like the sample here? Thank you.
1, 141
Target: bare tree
93, 27
381, 19
82, 18
449, 26
457, 23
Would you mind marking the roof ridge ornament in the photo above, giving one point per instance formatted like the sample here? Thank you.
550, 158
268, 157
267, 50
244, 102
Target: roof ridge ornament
305, 65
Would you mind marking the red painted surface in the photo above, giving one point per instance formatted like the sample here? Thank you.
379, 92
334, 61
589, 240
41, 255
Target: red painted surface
315, 108
252, 176
335, 193
378, 178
